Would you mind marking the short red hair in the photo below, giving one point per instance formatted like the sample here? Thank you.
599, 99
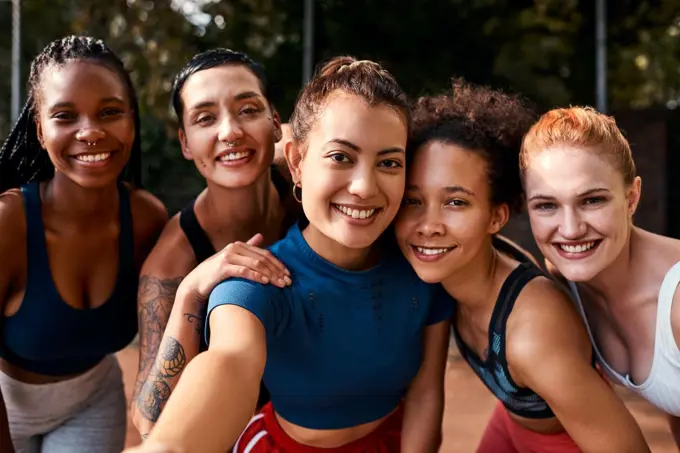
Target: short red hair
581, 127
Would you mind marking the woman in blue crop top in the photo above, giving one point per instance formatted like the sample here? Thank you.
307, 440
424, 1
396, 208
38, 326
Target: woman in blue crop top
518, 331
354, 351
228, 128
74, 230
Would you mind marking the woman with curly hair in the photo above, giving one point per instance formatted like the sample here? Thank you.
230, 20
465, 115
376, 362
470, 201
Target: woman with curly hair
518, 331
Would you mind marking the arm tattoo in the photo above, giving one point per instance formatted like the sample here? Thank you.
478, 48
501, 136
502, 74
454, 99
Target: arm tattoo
156, 391
197, 321
155, 297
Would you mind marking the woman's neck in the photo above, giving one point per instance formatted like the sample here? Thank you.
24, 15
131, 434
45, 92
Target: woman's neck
474, 286
69, 203
252, 207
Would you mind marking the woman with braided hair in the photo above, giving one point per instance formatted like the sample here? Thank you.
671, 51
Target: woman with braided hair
353, 351
75, 227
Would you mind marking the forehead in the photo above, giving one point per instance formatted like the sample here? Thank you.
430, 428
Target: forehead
437, 164
567, 171
349, 117
78, 80
221, 82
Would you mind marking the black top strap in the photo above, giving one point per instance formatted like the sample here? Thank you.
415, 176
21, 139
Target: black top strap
200, 242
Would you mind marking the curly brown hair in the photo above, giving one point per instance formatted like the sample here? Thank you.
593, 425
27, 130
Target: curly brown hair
482, 120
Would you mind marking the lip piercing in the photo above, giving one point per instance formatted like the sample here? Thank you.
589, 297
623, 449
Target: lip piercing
91, 143
232, 144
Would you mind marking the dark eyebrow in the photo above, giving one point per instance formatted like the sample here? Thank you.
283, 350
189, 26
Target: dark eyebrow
247, 95
449, 189
60, 105
238, 97
457, 189
202, 105
112, 99
356, 148
541, 197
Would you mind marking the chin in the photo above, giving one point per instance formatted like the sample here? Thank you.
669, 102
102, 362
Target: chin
578, 273
428, 276
354, 242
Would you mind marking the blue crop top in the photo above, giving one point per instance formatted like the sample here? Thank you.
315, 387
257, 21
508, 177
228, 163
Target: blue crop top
48, 336
342, 346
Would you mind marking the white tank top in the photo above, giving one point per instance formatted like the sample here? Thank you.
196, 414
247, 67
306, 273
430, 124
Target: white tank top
662, 387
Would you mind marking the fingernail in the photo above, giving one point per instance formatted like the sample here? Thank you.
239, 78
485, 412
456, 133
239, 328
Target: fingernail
287, 272
265, 280
282, 282
288, 280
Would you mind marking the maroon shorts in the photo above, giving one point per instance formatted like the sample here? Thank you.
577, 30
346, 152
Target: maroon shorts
264, 435
504, 435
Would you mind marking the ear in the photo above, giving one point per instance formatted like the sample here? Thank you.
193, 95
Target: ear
293, 155
278, 133
633, 192
39, 131
183, 143
500, 215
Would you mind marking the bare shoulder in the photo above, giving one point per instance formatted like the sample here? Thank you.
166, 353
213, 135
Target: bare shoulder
543, 321
12, 225
172, 255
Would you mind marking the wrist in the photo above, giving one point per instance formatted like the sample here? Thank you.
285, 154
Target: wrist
189, 295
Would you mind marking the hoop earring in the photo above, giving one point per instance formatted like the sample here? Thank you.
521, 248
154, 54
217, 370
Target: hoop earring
297, 197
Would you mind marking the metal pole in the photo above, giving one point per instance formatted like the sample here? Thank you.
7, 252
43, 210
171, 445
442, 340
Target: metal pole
308, 43
16, 46
601, 54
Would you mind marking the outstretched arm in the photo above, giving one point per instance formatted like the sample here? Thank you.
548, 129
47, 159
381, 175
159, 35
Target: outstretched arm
218, 391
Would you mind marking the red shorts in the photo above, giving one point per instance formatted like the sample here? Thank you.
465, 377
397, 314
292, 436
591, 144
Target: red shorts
264, 435
504, 435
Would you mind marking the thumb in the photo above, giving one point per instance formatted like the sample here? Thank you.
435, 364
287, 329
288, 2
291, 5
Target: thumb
255, 240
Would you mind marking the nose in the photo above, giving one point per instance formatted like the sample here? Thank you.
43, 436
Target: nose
431, 223
229, 130
90, 133
364, 184
572, 225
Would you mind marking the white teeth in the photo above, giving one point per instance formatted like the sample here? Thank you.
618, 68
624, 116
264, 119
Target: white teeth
577, 248
235, 156
356, 213
93, 157
425, 251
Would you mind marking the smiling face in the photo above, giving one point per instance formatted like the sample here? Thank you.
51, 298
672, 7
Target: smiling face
352, 171
447, 218
229, 129
580, 209
85, 122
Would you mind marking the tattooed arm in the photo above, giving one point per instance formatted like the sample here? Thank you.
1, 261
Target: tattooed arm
170, 260
181, 338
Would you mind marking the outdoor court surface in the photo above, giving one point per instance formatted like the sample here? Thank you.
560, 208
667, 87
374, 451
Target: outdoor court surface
468, 406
